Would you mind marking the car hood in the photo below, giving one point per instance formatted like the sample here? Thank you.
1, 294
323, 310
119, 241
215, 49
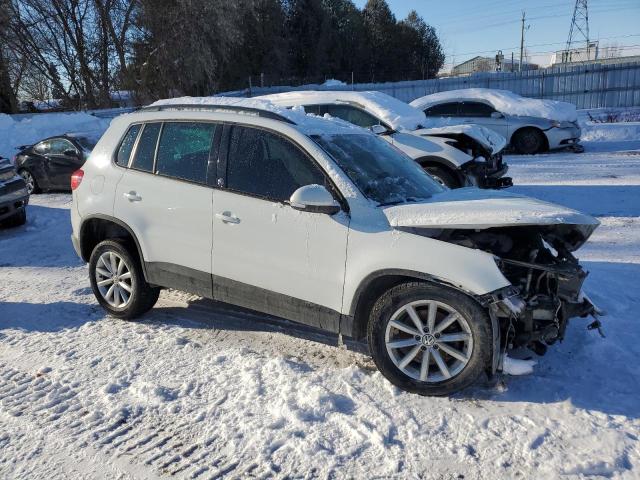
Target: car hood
490, 141
472, 208
418, 147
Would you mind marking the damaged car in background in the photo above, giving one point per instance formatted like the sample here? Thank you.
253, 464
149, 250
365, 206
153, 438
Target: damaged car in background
455, 155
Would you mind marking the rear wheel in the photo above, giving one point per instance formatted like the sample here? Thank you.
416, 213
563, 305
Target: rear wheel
429, 339
30, 180
528, 141
117, 281
442, 176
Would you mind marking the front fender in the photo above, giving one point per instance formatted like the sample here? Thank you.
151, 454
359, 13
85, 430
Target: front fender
370, 253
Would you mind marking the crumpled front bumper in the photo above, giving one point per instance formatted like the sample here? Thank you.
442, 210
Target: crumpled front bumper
562, 137
488, 173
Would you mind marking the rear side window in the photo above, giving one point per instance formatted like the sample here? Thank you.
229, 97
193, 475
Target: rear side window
315, 109
124, 152
43, 147
143, 158
60, 145
443, 110
267, 165
183, 151
352, 115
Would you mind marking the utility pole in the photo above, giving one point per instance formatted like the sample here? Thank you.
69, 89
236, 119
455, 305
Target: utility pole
522, 41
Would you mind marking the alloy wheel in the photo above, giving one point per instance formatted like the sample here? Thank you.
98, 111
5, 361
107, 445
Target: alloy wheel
429, 341
29, 180
113, 278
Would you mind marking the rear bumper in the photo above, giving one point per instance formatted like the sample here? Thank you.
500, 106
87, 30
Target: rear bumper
13, 198
76, 245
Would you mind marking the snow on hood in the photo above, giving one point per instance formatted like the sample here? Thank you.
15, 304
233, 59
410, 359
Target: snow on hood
490, 140
471, 208
504, 101
306, 123
397, 114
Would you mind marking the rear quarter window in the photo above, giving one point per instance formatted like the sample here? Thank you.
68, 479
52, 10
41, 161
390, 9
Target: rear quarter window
129, 140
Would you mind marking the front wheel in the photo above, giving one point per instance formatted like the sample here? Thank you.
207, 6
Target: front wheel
442, 176
117, 281
30, 180
528, 141
429, 339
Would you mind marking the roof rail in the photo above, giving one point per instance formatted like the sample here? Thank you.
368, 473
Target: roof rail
221, 108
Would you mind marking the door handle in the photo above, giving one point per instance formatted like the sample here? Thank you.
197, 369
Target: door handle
132, 196
227, 217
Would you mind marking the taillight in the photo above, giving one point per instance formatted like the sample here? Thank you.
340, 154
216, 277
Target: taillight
76, 179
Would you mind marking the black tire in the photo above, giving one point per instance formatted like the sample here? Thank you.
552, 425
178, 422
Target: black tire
16, 220
26, 174
528, 141
442, 176
476, 319
143, 296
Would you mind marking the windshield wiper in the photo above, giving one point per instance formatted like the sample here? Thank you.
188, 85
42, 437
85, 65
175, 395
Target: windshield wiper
397, 202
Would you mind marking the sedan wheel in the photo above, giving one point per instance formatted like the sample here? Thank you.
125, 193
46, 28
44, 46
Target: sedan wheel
28, 178
429, 341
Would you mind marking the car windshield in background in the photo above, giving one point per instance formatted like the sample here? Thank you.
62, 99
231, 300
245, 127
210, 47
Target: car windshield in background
380, 171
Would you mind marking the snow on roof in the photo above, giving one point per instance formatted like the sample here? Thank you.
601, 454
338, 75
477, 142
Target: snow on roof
397, 114
306, 123
504, 101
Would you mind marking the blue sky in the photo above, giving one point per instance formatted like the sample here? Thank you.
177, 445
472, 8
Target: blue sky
481, 27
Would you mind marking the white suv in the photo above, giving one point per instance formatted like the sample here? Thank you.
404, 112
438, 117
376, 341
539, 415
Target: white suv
324, 223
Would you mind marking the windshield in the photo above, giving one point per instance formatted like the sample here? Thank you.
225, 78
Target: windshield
381, 172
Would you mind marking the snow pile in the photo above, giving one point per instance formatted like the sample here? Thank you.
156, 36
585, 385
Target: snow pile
27, 131
397, 114
610, 132
503, 101
332, 82
515, 366
309, 124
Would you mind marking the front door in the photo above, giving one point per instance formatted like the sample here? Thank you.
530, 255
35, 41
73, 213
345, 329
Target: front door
266, 255
479, 113
164, 197
63, 159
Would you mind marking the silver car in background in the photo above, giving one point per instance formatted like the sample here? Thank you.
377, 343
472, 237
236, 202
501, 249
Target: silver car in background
529, 125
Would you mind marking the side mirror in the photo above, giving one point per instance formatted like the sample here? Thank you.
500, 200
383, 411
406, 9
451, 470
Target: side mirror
71, 153
314, 199
497, 115
378, 129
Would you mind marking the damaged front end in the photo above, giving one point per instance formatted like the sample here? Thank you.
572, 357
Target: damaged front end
546, 289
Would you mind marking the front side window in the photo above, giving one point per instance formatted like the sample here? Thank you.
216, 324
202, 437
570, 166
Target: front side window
183, 151
381, 172
43, 147
59, 145
352, 115
315, 109
475, 109
267, 165
443, 110
146, 149
129, 140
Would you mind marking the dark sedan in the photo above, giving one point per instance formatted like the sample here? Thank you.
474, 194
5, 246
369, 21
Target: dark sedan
48, 164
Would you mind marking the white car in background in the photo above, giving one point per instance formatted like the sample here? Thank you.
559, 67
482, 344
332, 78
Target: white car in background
456, 156
529, 125
321, 222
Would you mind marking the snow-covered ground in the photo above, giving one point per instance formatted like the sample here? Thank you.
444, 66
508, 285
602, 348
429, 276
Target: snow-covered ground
198, 390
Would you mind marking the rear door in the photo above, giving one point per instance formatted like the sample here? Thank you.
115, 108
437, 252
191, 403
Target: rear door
165, 198
266, 255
